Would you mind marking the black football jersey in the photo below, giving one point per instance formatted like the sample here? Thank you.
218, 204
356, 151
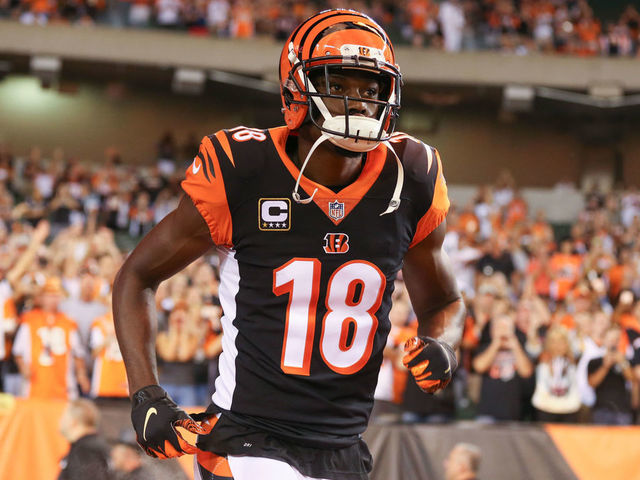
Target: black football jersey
306, 288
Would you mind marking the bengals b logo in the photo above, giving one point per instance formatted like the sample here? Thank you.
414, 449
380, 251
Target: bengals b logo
336, 243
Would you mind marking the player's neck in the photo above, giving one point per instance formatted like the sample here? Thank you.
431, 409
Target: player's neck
326, 166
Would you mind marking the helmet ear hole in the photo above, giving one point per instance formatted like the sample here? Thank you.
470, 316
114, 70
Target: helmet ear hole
288, 96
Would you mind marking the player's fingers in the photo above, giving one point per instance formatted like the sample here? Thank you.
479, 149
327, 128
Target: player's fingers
413, 344
149, 452
444, 383
192, 426
420, 370
430, 386
411, 359
146, 449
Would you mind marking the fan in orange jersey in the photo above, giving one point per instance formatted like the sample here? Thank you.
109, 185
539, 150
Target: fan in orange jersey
565, 267
10, 274
47, 349
109, 378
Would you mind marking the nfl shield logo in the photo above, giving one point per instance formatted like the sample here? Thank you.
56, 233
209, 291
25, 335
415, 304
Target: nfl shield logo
336, 210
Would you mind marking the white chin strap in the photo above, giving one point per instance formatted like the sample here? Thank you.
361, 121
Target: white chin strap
295, 194
394, 203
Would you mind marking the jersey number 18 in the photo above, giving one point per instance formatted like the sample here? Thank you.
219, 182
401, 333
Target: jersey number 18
354, 294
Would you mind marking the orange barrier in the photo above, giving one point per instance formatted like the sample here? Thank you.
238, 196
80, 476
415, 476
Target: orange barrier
594, 452
30, 445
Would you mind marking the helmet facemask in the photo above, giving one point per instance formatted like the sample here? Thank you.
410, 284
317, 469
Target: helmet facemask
330, 112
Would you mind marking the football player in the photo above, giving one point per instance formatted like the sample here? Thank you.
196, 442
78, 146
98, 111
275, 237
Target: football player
312, 222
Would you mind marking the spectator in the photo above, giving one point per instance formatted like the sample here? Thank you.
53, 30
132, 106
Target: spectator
33, 209
464, 255
556, 396
88, 455
84, 309
504, 189
140, 13
217, 21
452, 22
608, 375
463, 462
10, 274
566, 268
177, 347
592, 347
141, 216
64, 209
242, 22
128, 461
48, 350
630, 202
496, 259
109, 378
503, 363
168, 13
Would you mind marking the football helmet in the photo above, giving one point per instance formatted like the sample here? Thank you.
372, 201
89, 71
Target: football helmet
339, 40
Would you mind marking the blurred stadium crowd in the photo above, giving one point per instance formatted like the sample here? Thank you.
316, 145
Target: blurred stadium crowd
553, 326
518, 26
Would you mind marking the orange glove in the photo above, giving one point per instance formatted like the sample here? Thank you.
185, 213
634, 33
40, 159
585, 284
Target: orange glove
430, 361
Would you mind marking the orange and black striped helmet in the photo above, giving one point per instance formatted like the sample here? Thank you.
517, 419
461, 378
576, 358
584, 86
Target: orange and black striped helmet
343, 39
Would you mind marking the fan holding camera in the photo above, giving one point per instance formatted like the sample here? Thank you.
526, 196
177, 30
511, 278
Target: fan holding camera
610, 376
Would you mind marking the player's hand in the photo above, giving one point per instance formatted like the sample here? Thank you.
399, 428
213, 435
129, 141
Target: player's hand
155, 418
430, 361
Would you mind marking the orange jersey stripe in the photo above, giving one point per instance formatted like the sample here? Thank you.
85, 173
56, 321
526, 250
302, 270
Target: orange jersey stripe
205, 187
438, 209
224, 142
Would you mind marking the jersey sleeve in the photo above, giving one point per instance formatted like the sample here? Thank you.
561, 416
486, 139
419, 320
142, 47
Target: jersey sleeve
205, 186
435, 197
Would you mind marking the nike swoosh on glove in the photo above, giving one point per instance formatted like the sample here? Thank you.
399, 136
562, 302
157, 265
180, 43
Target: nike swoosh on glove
155, 417
430, 361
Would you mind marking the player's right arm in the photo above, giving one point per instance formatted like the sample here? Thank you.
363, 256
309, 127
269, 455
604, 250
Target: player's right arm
201, 220
179, 239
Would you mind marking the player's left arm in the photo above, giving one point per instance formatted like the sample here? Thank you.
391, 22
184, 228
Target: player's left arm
440, 309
